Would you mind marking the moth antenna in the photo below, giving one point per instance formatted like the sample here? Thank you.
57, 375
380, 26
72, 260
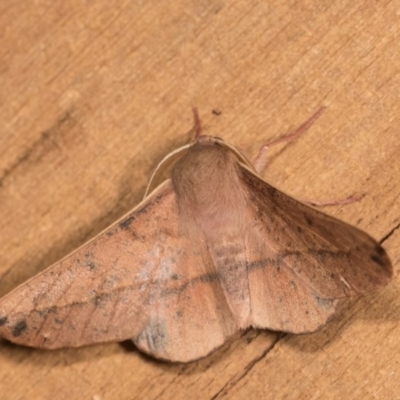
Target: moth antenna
260, 160
197, 122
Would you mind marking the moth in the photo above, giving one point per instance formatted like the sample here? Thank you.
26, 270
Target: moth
210, 250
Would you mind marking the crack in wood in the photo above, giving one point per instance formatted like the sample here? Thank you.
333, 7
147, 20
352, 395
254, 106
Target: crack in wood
386, 237
233, 382
38, 147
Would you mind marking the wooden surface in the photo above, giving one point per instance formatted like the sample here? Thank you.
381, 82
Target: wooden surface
94, 94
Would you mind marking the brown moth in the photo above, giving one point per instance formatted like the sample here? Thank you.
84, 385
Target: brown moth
211, 249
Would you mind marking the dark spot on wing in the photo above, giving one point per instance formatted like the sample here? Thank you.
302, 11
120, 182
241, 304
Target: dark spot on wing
377, 260
44, 313
19, 328
89, 261
379, 257
91, 265
109, 233
154, 336
309, 220
157, 199
136, 236
299, 229
101, 300
179, 313
207, 278
124, 225
324, 303
260, 264
175, 277
380, 250
3, 321
216, 112
143, 210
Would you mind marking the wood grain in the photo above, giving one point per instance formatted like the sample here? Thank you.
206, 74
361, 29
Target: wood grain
93, 94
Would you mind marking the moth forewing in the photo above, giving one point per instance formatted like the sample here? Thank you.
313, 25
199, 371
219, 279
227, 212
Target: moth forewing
163, 169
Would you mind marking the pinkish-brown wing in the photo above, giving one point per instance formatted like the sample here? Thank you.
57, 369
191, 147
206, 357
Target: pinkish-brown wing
141, 279
301, 262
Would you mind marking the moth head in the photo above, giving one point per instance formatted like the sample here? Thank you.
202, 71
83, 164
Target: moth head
205, 139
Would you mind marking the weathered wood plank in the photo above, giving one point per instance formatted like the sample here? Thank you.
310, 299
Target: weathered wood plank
92, 96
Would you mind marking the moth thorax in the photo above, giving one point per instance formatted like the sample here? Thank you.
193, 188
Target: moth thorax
207, 184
